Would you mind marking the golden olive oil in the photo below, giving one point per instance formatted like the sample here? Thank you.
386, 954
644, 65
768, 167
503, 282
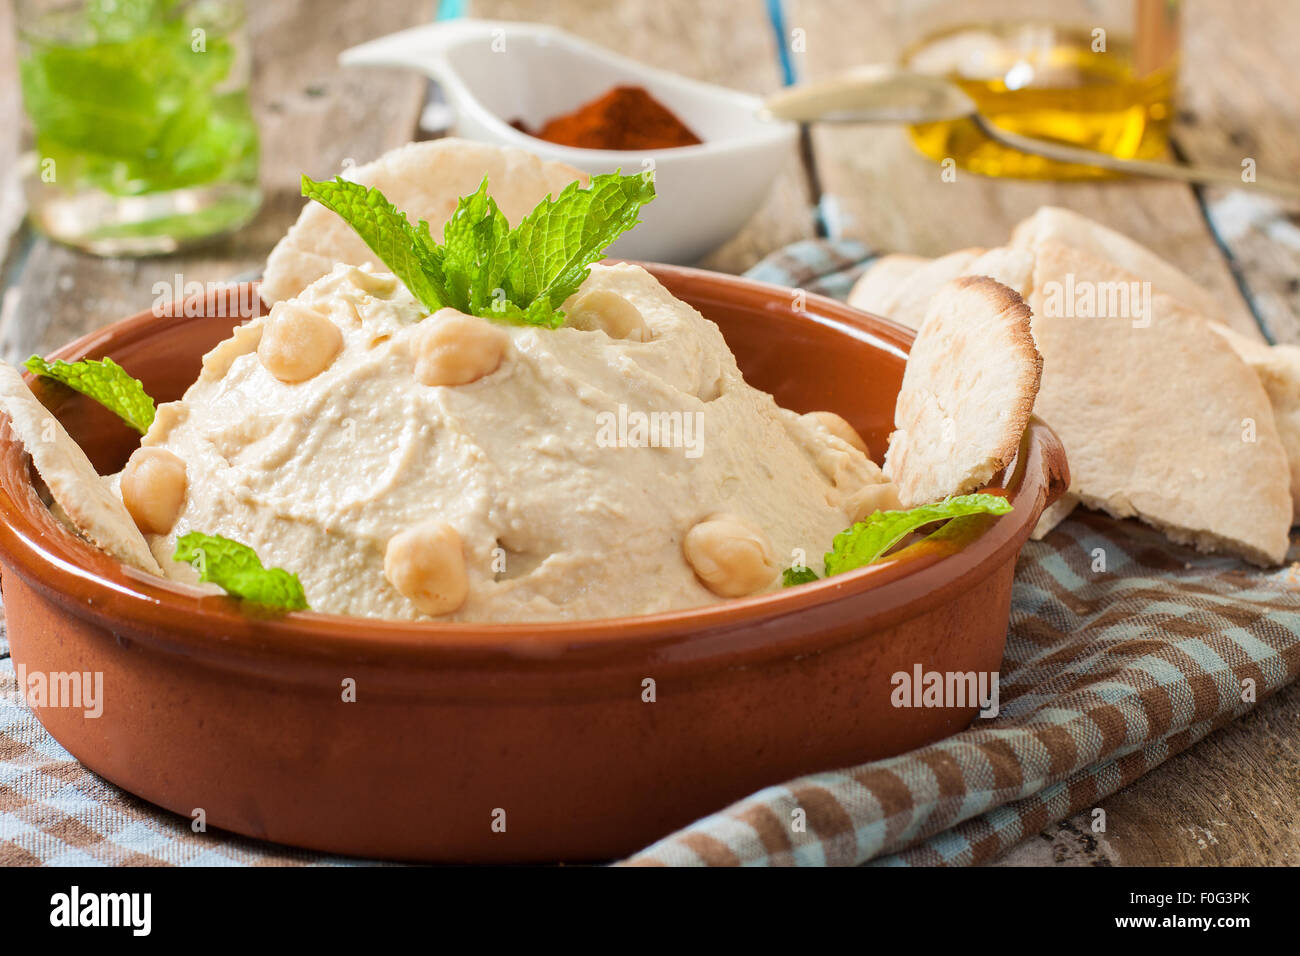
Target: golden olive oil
1074, 86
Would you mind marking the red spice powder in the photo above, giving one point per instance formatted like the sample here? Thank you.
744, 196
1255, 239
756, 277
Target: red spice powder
627, 117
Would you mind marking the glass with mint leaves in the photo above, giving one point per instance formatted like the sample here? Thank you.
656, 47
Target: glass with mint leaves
141, 136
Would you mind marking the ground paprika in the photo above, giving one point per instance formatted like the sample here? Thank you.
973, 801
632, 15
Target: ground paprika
627, 117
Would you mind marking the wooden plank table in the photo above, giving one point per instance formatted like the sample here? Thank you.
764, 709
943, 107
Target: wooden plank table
1232, 798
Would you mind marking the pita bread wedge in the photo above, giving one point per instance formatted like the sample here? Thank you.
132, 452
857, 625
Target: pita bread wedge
876, 288
1158, 420
73, 482
1051, 223
1278, 369
967, 393
1009, 265
905, 295
424, 180
1053, 515
900, 286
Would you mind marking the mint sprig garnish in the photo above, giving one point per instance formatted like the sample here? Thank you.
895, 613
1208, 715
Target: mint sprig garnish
410, 252
867, 541
483, 266
556, 243
236, 568
106, 382
476, 254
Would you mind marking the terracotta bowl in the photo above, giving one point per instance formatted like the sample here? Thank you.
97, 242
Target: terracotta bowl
457, 727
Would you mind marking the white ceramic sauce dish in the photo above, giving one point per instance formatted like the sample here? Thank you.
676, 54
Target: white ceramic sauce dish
493, 72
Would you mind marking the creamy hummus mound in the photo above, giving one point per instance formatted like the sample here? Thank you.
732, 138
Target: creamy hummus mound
449, 468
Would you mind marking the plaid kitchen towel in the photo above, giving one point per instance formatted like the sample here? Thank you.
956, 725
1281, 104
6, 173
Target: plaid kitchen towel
1123, 650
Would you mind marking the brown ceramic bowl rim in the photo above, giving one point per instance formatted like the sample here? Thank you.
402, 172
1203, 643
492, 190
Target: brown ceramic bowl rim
95, 586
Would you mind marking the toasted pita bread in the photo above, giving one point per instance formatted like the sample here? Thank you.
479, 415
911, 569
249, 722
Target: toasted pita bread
900, 286
1053, 515
1073, 229
424, 180
876, 288
1154, 419
1278, 369
73, 482
902, 292
967, 393
1011, 266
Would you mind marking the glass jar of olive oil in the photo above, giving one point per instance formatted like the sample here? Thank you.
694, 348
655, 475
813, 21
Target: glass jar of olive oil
1099, 74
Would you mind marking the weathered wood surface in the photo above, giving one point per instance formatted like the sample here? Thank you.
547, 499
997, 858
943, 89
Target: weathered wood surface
11, 203
1230, 799
1241, 101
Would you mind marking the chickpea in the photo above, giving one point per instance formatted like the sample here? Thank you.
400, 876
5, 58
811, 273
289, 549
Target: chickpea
869, 499
841, 429
363, 279
426, 565
731, 556
377, 284
601, 310
153, 489
452, 348
298, 342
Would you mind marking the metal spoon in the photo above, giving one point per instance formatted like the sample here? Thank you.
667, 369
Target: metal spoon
881, 94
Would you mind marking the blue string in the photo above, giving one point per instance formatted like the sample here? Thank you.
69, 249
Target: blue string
450, 10
776, 16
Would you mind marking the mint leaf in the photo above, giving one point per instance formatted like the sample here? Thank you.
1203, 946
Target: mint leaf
793, 576
476, 254
868, 540
408, 251
106, 382
237, 568
538, 313
556, 243
484, 267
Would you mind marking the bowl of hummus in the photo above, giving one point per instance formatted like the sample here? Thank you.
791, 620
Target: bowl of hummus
381, 579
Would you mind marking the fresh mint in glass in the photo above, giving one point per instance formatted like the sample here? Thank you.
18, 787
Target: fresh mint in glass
142, 138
